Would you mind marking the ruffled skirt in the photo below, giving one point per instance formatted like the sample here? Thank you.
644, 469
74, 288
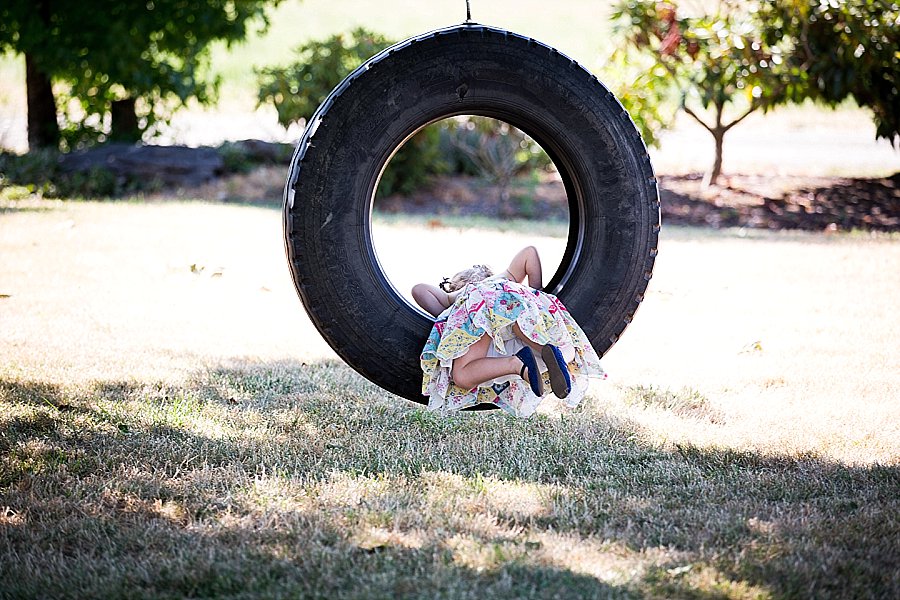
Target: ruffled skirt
491, 307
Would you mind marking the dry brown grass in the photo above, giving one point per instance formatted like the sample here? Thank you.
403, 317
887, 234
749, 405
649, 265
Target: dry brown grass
171, 425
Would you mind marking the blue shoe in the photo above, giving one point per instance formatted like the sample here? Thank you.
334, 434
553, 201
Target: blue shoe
534, 375
560, 381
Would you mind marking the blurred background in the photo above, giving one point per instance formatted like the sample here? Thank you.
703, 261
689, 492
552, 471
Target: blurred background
777, 115
205, 72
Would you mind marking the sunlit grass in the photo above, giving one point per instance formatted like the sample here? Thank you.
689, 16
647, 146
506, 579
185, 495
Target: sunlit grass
169, 431
330, 487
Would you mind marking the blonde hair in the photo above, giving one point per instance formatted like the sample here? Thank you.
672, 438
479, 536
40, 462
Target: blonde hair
460, 280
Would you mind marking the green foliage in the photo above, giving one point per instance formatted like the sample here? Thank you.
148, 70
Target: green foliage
297, 89
452, 135
468, 145
107, 50
490, 148
412, 165
718, 59
719, 62
43, 172
841, 49
644, 90
754, 55
235, 158
245, 155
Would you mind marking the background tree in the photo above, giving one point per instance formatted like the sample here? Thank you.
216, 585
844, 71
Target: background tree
754, 55
297, 90
133, 61
839, 50
719, 65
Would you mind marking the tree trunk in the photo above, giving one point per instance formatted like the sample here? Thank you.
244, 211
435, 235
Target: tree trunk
43, 130
124, 127
713, 175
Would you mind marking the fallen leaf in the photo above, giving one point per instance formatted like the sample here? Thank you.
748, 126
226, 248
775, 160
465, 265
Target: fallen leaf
752, 347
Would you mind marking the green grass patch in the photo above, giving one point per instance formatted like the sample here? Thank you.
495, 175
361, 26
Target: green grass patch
686, 403
274, 479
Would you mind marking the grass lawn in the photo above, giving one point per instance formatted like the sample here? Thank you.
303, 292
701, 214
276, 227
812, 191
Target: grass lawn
171, 425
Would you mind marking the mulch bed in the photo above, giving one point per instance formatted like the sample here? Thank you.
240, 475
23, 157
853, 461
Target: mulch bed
752, 201
806, 203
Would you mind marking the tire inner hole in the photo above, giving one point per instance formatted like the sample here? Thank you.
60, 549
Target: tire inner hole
466, 190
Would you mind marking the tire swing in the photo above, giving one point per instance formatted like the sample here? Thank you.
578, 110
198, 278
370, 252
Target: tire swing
464, 70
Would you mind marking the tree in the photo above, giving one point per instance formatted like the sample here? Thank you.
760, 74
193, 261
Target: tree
297, 89
839, 50
754, 55
718, 61
134, 61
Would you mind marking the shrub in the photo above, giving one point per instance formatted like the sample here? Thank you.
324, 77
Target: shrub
492, 149
40, 173
299, 88
414, 164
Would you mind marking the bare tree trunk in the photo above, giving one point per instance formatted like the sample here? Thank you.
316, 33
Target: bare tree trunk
718, 132
43, 130
712, 176
124, 127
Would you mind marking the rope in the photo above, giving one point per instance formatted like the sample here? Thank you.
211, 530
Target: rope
468, 12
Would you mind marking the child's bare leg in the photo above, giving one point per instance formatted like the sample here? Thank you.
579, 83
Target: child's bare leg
535, 347
475, 367
567, 350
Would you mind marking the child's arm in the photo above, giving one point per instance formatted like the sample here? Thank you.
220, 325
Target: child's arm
527, 263
432, 298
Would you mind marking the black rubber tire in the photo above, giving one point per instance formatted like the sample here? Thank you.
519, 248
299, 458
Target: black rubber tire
476, 70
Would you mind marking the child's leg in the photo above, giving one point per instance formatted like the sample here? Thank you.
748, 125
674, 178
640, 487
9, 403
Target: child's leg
535, 347
474, 367
555, 361
567, 350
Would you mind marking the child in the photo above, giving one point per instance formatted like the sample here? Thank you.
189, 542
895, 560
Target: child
497, 340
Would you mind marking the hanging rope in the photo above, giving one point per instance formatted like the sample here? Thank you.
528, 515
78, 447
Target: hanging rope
468, 12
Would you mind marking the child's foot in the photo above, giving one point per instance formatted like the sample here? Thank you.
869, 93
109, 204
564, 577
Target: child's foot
530, 372
560, 381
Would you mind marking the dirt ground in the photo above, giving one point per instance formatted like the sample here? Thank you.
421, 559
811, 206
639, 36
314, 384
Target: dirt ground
811, 203
795, 202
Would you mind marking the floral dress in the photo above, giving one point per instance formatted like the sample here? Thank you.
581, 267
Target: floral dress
492, 307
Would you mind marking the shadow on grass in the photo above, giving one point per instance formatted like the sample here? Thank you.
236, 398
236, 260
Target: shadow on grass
274, 479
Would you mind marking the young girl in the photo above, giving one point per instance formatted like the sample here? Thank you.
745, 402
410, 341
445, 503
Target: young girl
497, 340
